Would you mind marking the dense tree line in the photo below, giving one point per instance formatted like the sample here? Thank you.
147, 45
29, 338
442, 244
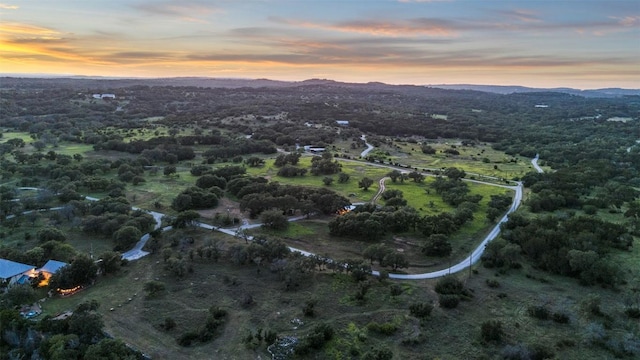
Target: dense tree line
577, 246
257, 196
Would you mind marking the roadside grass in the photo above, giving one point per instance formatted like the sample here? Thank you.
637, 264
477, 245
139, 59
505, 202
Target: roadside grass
295, 229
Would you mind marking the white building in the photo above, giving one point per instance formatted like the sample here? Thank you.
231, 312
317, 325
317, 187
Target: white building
104, 96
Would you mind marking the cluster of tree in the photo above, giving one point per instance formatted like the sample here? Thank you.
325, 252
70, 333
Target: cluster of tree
236, 147
316, 339
576, 246
450, 291
39, 254
155, 149
257, 196
497, 206
291, 171
454, 191
394, 198
385, 256
195, 197
325, 165
284, 159
370, 223
113, 215
287, 133
79, 336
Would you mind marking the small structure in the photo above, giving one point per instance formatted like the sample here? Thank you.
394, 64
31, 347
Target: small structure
342, 122
12, 272
48, 269
104, 96
314, 149
542, 106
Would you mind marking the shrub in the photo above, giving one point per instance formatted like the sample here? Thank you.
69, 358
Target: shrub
633, 312
153, 288
540, 352
188, 338
492, 283
395, 290
538, 312
421, 310
560, 317
309, 308
168, 324
591, 305
448, 301
379, 353
319, 335
491, 331
382, 328
449, 285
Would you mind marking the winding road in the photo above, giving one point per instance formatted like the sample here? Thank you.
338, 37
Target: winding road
534, 162
369, 147
136, 252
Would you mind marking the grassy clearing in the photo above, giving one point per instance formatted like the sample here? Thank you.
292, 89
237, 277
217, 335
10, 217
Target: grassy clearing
8, 135
350, 189
470, 159
160, 188
71, 149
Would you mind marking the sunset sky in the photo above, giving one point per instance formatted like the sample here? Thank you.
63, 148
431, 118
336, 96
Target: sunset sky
543, 43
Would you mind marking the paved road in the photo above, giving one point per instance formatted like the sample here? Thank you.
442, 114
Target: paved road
475, 254
369, 147
534, 162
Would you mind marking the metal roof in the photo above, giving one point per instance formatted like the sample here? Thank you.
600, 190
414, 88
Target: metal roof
10, 268
52, 266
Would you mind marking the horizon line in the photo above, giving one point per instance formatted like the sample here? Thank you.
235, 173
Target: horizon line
103, 77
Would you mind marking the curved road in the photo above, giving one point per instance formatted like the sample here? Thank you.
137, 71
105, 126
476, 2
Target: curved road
369, 147
534, 162
136, 252
381, 189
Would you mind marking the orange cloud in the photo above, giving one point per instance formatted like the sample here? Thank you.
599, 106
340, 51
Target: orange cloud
9, 7
410, 27
25, 29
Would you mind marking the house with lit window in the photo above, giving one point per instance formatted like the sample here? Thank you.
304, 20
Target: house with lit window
48, 269
12, 272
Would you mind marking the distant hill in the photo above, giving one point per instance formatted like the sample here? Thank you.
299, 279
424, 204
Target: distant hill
500, 89
97, 82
